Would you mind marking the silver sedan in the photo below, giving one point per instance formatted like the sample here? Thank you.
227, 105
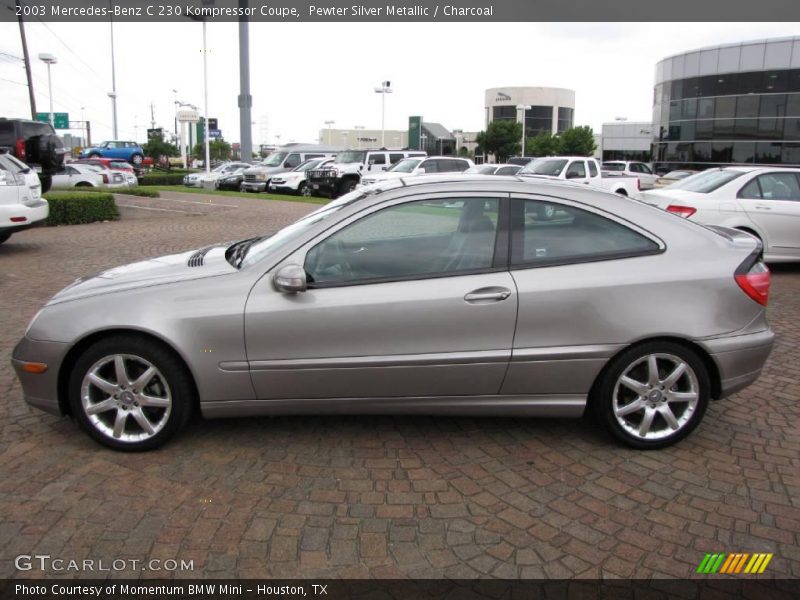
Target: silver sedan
433, 295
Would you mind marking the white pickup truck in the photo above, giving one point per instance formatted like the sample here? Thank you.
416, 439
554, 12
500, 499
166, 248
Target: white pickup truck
632, 168
580, 169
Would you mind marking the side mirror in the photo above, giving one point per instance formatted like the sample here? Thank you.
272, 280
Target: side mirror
384, 168
290, 279
420, 171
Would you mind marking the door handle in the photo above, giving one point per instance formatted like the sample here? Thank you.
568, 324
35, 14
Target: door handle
762, 207
487, 295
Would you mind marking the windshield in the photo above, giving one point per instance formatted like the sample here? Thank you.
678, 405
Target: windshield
351, 156
707, 181
274, 160
610, 166
405, 166
545, 166
482, 170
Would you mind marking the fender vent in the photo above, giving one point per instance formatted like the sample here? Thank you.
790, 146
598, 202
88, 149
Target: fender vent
197, 259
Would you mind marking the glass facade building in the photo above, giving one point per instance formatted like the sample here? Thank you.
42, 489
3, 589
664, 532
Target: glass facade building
552, 110
732, 104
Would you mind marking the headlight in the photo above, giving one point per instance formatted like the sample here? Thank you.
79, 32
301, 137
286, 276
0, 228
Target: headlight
261, 176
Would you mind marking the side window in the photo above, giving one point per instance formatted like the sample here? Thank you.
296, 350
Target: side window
377, 159
292, 161
430, 166
779, 186
545, 234
635, 168
576, 170
307, 156
592, 168
393, 158
72, 171
645, 169
751, 191
412, 240
507, 171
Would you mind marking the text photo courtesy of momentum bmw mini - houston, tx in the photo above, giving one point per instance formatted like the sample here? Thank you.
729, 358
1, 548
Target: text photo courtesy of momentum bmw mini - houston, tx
428, 301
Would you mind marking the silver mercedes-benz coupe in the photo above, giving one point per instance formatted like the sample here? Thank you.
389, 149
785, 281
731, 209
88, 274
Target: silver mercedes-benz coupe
454, 295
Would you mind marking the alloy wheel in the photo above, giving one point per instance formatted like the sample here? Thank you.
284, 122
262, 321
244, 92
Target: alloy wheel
656, 396
126, 398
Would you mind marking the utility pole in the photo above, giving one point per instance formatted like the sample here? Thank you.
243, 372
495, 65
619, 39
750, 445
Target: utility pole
245, 99
152, 116
27, 61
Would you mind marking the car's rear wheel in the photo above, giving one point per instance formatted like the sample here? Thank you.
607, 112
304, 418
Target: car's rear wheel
302, 189
137, 160
653, 395
130, 393
347, 186
95, 155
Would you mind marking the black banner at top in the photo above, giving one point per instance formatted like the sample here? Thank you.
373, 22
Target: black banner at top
154, 11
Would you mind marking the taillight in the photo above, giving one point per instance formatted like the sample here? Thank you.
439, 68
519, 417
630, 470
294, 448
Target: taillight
681, 211
21, 149
105, 178
638, 184
755, 282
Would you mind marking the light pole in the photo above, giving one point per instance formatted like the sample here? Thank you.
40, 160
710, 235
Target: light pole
205, 100
329, 123
113, 94
523, 108
358, 135
422, 139
383, 90
458, 133
49, 60
175, 92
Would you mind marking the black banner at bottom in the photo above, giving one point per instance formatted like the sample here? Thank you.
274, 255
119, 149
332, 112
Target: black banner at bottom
385, 589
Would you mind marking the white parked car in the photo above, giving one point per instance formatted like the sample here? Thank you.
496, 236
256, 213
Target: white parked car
763, 201
21, 202
631, 168
228, 168
114, 178
76, 175
420, 166
294, 181
493, 169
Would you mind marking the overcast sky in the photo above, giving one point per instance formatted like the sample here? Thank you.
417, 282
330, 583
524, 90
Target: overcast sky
303, 74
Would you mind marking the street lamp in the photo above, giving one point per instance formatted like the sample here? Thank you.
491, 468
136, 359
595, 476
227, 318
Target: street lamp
358, 135
49, 59
383, 90
176, 112
329, 123
422, 139
113, 93
523, 108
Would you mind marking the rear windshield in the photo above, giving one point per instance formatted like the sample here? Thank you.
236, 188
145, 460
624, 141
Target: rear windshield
545, 166
6, 133
32, 128
613, 166
707, 181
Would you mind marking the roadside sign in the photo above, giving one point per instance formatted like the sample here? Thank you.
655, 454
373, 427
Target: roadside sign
60, 120
214, 133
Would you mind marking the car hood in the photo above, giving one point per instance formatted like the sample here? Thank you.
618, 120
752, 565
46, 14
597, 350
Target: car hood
253, 170
174, 268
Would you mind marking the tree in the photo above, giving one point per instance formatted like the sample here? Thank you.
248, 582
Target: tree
156, 147
217, 149
544, 144
578, 141
501, 138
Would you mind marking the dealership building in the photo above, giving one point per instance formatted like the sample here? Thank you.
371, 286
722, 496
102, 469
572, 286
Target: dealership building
730, 104
546, 109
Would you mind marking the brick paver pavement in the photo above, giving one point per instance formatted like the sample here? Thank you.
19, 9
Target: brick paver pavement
381, 496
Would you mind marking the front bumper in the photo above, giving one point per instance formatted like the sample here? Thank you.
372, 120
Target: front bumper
739, 358
254, 186
282, 188
40, 390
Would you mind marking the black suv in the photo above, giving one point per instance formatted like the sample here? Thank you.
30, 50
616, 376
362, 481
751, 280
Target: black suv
36, 144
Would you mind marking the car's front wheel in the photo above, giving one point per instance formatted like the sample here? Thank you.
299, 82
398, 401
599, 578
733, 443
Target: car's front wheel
130, 393
137, 160
653, 395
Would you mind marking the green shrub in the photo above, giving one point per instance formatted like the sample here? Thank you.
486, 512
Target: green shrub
131, 191
161, 179
72, 208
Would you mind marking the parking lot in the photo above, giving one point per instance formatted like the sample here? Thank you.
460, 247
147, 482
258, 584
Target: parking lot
380, 496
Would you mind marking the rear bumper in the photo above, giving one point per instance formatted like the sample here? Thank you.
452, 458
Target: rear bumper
40, 390
35, 214
739, 358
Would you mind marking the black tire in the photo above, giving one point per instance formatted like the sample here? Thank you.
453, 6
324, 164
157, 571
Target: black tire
347, 186
695, 380
4, 237
302, 189
176, 378
622, 192
136, 160
95, 155
47, 182
83, 184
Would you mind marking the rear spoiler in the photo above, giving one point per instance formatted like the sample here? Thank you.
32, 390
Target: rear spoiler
737, 236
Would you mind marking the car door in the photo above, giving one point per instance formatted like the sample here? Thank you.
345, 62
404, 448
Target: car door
772, 202
410, 299
574, 270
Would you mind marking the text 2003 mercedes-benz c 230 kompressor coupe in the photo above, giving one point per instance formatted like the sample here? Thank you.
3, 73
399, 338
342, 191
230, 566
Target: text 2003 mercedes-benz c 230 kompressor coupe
457, 295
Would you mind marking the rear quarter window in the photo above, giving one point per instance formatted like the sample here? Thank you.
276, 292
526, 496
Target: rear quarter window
6, 133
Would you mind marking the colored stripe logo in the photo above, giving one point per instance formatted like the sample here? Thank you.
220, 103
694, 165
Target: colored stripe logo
735, 563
